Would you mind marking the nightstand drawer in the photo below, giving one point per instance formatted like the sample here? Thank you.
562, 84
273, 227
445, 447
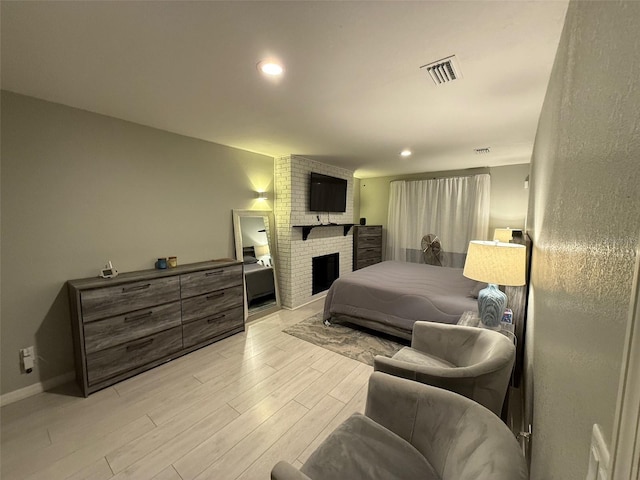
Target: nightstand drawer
197, 283
112, 361
112, 331
211, 303
128, 297
201, 330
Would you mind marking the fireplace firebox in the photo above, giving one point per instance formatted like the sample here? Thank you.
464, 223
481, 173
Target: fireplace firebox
324, 270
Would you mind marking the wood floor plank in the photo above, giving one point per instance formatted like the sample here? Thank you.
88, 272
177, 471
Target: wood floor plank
245, 452
350, 385
47, 415
98, 470
168, 473
292, 443
356, 404
163, 456
208, 452
31, 441
327, 382
327, 362
129, 453
74, 428
211, 393
47, 468
276, 381
242, 365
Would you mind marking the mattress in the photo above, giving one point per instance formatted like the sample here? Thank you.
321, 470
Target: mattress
397, 294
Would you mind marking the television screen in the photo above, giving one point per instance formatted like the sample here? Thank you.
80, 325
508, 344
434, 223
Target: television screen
327, 194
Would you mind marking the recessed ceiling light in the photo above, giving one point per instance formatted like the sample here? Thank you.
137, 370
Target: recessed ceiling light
270, 67
405, 153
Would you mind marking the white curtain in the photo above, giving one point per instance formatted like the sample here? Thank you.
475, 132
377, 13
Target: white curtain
455, 209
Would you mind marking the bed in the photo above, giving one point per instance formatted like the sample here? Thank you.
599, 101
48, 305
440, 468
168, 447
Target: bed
259, 278
391, 296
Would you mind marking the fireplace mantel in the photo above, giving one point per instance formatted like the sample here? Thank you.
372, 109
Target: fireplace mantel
306, 229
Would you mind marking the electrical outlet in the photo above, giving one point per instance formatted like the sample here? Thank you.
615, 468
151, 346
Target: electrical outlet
27, 352
27, 357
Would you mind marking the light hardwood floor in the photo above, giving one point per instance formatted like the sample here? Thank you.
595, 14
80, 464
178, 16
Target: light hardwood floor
228, 411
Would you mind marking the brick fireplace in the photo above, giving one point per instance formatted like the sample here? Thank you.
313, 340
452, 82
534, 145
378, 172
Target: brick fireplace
295, 256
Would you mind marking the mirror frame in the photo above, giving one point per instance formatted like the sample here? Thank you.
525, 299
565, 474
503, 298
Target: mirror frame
237, 233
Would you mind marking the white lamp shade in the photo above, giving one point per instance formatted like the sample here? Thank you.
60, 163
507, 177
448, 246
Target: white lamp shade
262, 250
495, 262
503, 235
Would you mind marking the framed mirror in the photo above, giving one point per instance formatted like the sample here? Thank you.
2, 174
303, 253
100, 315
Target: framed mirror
254, 233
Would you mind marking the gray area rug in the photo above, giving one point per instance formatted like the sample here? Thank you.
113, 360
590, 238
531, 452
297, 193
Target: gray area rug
345, 339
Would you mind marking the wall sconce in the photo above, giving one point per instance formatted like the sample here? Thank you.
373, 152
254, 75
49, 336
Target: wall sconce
261, 195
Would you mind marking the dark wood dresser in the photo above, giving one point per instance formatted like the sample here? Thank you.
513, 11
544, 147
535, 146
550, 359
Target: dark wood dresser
138, 320
367, 245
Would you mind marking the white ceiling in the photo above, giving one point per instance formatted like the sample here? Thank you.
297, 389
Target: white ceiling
352, 95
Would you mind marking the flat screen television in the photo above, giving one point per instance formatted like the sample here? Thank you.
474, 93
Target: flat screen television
327, 194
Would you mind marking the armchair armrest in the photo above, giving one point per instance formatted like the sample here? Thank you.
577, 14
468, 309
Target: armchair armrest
285, 471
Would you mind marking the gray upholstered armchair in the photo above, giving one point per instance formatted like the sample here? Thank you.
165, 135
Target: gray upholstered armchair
414, 431
474, 362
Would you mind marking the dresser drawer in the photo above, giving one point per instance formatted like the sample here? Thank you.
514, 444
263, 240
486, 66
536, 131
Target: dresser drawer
197, 283
111, 301
368, 231
131, 326
367, 242
373, 252
365, 262
112, 361
211, 303
201, 330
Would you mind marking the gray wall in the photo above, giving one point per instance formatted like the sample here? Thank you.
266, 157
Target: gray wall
509, 198
585, 223
79, 189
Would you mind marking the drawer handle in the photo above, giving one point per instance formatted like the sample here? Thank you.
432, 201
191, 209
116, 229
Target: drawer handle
213, 319
140, 345
215, 295
136, 287
215, 272
133, 318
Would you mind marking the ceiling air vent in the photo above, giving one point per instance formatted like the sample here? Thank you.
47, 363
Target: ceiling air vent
444, 71
482, 151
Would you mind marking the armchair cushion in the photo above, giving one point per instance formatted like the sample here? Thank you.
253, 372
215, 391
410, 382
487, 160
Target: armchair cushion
410, 355
360, 448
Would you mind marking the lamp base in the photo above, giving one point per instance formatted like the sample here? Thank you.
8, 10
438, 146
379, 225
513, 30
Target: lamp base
491, 305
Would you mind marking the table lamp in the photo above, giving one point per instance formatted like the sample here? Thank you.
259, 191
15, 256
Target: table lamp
496, 264
261, 250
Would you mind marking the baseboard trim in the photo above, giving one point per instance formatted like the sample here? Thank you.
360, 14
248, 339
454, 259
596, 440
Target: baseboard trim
318, 296
36, 388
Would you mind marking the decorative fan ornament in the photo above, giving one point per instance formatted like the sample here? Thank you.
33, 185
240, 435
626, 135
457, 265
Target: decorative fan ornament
431, 249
